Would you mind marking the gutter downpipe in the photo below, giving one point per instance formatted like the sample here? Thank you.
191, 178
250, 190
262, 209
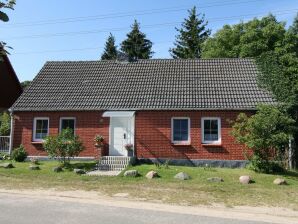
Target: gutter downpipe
11, 131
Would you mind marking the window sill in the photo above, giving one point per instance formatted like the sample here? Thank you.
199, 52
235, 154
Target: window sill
181, 144
36, 143
212, 145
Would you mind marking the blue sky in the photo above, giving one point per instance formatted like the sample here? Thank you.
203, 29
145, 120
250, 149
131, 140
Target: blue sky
41, 31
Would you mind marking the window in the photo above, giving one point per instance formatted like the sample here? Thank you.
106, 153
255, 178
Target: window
180, 130
211, 130
40, 128
67, 122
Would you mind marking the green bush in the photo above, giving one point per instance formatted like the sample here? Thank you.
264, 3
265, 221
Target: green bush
4, 124
4, 156
267, 133
64, 146
19, 154
259, 165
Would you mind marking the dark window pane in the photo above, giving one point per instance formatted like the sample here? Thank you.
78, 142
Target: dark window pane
184, 124
211, 130
214, 131
45, 124
180, 130
206, 124
213, 137
176, 124
68, 123
41, 130
176, 136
38, 136
213, 124
207, 137
184, 136
39, 124
206, 131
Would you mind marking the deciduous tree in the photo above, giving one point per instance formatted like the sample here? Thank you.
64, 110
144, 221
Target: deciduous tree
250, 39
267, 133
8, 4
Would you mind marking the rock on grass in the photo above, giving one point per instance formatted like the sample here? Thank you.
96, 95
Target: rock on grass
131, 173
245, 179
79, 171
182, 176
280, 181
6, 165
152, 174
34, 167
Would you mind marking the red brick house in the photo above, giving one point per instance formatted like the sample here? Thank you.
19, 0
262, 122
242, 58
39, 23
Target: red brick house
167, 108
10, 87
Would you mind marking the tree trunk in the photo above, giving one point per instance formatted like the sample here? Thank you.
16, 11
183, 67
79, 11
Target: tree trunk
290, 156
295, 151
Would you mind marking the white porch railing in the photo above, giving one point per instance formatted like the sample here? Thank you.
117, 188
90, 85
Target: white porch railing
4, 144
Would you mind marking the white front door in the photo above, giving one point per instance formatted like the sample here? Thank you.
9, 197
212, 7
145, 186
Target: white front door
121, 133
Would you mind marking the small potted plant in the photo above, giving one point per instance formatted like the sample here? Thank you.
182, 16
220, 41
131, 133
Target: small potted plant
129, 148
98, 139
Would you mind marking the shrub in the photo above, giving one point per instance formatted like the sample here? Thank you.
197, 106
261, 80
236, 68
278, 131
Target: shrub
4, 124
259, 165
19, 154
4, 156
267, 133
64, 146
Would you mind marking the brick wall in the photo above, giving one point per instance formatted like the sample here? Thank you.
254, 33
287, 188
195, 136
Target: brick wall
152, 134
88, 124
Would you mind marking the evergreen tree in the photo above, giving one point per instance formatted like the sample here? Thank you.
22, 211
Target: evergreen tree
191, 36
136, 46
110, 51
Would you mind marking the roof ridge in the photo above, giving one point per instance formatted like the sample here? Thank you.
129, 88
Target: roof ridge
155, 59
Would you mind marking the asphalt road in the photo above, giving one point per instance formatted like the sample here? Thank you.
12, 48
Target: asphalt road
18, 209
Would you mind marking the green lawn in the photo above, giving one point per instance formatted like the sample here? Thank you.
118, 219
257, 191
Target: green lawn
165, 189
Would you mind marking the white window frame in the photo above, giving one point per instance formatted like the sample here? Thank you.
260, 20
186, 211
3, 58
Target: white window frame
218, 142
67, 118
34, 128
172, 131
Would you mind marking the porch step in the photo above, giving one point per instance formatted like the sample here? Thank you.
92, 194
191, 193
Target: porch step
114, 163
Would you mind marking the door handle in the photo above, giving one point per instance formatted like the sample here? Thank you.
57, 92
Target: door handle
124, 136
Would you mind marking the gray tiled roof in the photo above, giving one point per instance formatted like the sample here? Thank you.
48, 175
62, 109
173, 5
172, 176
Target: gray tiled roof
157, 84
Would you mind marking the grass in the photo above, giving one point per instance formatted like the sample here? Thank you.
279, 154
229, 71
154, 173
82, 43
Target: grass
166, 189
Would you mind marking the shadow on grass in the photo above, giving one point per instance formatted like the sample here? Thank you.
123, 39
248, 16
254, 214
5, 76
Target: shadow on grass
290, 173
80, 165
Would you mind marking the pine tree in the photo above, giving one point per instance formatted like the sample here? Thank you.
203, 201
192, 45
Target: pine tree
136, 46
191, 36
110, 51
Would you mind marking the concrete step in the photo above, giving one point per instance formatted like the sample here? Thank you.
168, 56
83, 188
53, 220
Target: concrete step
114, 163
111, 167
